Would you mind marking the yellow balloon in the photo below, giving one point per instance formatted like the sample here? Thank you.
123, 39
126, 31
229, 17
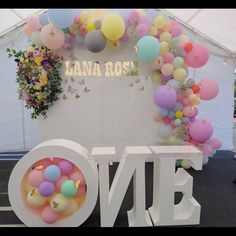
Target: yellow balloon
91, 20
194, 99
166, 37
179, 74
84, 16
152, 31
159, 22
113, 26
98, 13
185, 164
179, 114
164, 48
90, 27
184, 38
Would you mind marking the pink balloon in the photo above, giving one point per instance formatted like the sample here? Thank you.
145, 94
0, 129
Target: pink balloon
141, 30
81, 191
207, 149
215, 143
35, 178
168, 57
208, 89
52, 37
186, 101
133, 17
59, 182
78, 176
200, 130
49, 216
27, 30
165, 97
34, 23
56, 160
146, 20
167, 69
190, 111
180, 97
176, 30
65, 166
197, 57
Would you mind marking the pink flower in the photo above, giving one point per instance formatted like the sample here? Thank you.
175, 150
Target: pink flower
25, 96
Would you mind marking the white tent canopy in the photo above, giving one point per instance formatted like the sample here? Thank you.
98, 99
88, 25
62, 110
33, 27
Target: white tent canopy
217, 25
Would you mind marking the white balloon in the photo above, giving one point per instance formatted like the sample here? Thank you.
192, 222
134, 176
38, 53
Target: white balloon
165, 131
173, 83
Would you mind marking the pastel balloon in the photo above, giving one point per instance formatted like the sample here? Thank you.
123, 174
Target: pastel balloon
177, 122
186, 164
35, 178
165, 130
174, 84
56, 160
167, 69
200, 130
49, 216
165, 97
208, 89
78, 176
179, 74
34, 23
52, 173
166, 37
52, 37
59, 203
190, 111
166, 78
179, 114
177, 62
34, 199
189, 83
164, 48
168, 57
159, 22
113, 26
171, 114
81, 190
215, 143
207, 150
72, 207
27, 30
98, 13
133, 17
36, 38
157, 64
176, 30
61, 18
163, 112
65, 166
167, 27
59, 182
43, 18
148, 48
194, 99
146, 20
68, 188
141, 30
185, 120
152, 31
197, 57
46, 189
84, 16
178, 107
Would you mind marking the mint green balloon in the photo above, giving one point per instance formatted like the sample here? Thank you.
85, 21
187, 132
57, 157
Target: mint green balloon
148, 48
178, 62
68, 188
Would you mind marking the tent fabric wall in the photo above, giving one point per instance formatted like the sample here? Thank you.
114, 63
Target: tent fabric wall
19, 131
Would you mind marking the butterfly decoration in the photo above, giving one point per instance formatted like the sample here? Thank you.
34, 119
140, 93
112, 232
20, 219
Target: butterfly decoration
131, 84
72, 79
69, 88
77, 96
142, 88
55, 204
86, 90
64, 97
65, 81
81, 82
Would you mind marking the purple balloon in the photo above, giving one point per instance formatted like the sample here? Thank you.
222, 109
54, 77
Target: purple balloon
176, 30
165, 97
166, 78
141, 30
65, 166
46, 189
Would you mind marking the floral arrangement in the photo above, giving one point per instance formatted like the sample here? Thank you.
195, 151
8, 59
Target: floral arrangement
38, 76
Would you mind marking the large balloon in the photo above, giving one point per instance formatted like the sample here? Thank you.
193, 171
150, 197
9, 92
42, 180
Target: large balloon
197, 57
148, 48
61, 18
52, 37
34, 23
208, 89
95, 41
113, 26
165, 130
43, 18
200, 130
165, 97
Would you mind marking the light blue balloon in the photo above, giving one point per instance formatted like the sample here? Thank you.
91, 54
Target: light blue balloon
177, 122
178, 106
171, 114
148, 48
61, 18
52, 173
163, 112
43, 18
152, 13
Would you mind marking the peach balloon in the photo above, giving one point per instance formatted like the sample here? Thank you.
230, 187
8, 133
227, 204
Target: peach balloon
34, 23
27, 30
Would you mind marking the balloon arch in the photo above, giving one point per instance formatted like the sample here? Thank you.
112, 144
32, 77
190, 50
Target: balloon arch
161, 43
